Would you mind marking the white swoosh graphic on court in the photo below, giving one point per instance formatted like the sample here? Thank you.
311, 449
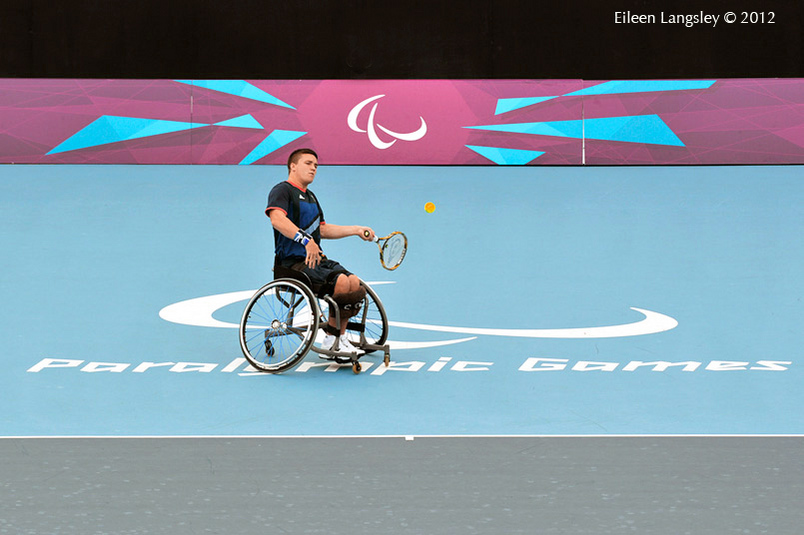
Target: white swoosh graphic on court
652, 323
199, 312
392, 344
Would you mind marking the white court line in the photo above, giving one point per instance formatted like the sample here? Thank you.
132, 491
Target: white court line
404, 437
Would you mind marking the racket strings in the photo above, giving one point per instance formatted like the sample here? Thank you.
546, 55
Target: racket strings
393, 250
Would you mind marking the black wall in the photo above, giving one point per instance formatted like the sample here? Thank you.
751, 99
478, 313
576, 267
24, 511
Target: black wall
328, 39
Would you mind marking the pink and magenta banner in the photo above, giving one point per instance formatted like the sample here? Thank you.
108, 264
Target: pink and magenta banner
403, 122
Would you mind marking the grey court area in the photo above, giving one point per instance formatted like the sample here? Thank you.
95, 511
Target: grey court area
178, 486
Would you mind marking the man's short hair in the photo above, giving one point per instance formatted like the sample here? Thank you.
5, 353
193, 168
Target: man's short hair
296, 155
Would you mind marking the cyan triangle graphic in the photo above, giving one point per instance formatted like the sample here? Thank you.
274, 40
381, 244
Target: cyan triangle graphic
650, 129
556, 128
111, 129
275, 140
642, 86
239, 88
502, 156
244, 121
505, 105
613, 87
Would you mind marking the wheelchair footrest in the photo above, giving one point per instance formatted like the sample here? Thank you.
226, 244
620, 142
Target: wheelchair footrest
349, 358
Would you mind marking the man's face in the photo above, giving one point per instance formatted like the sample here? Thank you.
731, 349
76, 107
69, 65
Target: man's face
304, 170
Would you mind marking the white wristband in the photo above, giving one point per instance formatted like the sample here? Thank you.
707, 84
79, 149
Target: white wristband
302, 238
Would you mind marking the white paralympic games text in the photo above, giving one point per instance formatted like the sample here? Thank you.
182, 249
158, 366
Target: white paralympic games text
449, 364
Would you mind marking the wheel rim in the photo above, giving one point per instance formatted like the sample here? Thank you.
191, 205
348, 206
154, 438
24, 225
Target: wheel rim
278, 325
376, 320
376, 329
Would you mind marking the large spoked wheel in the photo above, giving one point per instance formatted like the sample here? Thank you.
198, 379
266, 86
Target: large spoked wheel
279, 325
370, 326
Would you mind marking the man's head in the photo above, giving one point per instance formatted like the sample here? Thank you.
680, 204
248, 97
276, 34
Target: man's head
302, 166
296, 155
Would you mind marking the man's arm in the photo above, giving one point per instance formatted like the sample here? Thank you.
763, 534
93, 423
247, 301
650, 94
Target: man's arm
285, 226
336, 232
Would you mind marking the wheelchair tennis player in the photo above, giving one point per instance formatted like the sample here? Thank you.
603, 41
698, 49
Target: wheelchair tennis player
299, 226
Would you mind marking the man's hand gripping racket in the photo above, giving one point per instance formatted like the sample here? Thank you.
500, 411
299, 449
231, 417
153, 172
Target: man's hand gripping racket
392, 249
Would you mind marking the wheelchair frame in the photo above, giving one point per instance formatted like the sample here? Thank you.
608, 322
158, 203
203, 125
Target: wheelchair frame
283, 319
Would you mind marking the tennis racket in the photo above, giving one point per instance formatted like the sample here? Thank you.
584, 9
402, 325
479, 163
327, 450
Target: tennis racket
392, 249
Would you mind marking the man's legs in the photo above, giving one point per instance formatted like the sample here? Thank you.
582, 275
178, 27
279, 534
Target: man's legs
347, 292
344, 285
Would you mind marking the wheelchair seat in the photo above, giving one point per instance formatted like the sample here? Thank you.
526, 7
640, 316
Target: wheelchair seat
282, 272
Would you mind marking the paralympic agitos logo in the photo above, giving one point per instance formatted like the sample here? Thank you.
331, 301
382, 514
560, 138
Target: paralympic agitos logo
371, 126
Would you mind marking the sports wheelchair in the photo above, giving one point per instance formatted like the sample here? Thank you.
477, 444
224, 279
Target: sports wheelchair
285, 319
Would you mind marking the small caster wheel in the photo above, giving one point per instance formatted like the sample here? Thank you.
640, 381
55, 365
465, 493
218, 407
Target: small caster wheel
387, 360
356, 367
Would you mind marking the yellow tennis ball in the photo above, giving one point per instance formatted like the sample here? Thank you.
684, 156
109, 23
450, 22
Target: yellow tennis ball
429, 208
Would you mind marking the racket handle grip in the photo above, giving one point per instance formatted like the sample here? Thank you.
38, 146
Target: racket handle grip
367, 234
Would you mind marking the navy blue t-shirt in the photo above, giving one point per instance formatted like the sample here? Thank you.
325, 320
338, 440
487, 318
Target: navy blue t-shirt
303, 210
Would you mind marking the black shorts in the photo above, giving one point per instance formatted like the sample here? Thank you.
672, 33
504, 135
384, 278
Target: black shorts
323, 276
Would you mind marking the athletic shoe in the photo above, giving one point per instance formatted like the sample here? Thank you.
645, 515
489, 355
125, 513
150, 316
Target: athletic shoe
329, 341
347, 347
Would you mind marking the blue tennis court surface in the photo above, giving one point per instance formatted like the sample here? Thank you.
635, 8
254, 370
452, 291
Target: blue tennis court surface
533, 301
